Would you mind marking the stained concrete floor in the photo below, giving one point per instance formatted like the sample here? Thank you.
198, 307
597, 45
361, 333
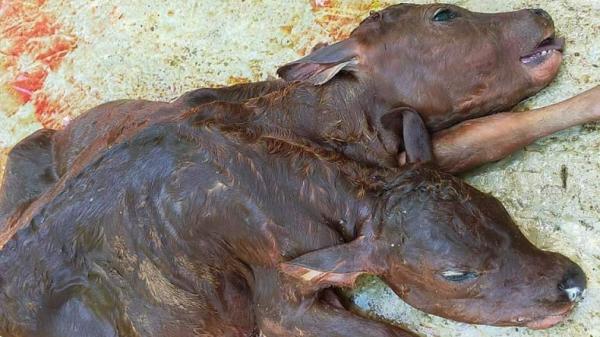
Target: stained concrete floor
60, 57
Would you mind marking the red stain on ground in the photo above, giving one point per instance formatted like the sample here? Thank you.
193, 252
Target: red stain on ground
27, 83
46, 110
37, 45
316, 4
339, 17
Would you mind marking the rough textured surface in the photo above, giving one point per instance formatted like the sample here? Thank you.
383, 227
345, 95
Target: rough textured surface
59, 58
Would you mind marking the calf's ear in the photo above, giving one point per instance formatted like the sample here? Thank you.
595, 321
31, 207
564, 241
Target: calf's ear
323, 63
335, 266
417, 142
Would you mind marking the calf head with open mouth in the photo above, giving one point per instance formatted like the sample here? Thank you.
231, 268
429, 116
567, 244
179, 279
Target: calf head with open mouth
446, 62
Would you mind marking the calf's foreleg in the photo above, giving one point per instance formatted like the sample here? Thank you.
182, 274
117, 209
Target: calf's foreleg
291, 302
310, 317
483, 140
320, 320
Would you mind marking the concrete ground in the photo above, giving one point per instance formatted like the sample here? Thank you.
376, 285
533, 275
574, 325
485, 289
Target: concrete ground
60, 57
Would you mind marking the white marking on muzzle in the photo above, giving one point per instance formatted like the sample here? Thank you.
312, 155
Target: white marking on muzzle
574, 293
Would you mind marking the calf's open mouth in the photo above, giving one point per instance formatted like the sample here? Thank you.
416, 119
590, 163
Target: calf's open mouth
544, 51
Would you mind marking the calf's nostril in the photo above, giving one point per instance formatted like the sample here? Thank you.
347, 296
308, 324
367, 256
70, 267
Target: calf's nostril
573, 294
573, 284
542, 13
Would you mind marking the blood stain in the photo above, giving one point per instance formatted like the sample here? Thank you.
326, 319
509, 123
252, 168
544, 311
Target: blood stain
48, 111
37, 45
338, 18
316, 4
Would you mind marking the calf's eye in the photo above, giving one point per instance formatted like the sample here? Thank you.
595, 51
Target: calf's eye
444, 14
459, 276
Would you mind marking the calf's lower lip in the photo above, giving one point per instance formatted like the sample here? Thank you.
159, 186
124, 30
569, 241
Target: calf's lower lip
550, 320
546, 322
544, 51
